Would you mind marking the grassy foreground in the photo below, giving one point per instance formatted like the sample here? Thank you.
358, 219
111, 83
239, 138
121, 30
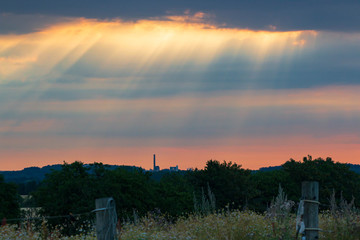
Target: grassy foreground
224, 225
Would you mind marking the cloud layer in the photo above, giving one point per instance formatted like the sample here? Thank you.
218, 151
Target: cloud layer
178, 85
260, 14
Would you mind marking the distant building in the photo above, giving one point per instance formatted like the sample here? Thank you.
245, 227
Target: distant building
156, 168
174, 169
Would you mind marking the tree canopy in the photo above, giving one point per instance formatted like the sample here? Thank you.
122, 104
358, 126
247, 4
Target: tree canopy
9, 200
228, 181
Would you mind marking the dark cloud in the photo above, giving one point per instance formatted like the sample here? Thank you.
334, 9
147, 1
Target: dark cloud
18, 23
285, 15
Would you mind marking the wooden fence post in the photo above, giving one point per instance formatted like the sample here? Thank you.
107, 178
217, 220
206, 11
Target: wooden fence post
106, 219
310, 196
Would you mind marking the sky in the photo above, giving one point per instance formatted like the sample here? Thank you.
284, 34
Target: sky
251, 82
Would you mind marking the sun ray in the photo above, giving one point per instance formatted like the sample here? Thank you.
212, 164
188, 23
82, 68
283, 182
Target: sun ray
138, 47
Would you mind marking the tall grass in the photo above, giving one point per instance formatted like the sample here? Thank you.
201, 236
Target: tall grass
226, 225
238, 225
341, 222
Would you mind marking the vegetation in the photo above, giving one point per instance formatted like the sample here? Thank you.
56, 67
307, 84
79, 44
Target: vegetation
9, 200
223, 200
331, 177
228, 181
223, 225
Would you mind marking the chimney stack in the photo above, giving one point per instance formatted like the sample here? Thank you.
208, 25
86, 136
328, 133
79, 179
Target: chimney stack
154, 163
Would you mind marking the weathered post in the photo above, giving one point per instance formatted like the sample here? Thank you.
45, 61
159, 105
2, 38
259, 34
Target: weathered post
310, 196
106, 219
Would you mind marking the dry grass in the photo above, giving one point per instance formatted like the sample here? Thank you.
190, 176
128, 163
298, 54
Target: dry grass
227, 225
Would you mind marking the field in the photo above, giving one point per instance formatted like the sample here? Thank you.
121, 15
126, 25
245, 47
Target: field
227, 225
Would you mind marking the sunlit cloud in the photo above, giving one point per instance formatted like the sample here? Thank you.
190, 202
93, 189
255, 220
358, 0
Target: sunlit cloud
135, 47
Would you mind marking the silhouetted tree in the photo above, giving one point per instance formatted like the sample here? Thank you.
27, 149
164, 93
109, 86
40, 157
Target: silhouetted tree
175, 194
330, 175
9, 200
266, 187
228, 181
64, 192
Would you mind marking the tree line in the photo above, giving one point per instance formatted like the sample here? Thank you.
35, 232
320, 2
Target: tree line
74, 188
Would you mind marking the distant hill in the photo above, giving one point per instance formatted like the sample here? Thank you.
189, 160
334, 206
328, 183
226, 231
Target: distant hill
29, 174
158, 175
29, 178
38, 174
268, 169
353, 167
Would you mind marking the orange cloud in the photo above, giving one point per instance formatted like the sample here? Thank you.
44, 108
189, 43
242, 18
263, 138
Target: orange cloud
15, 60
136, 46
301, 42
198, 17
